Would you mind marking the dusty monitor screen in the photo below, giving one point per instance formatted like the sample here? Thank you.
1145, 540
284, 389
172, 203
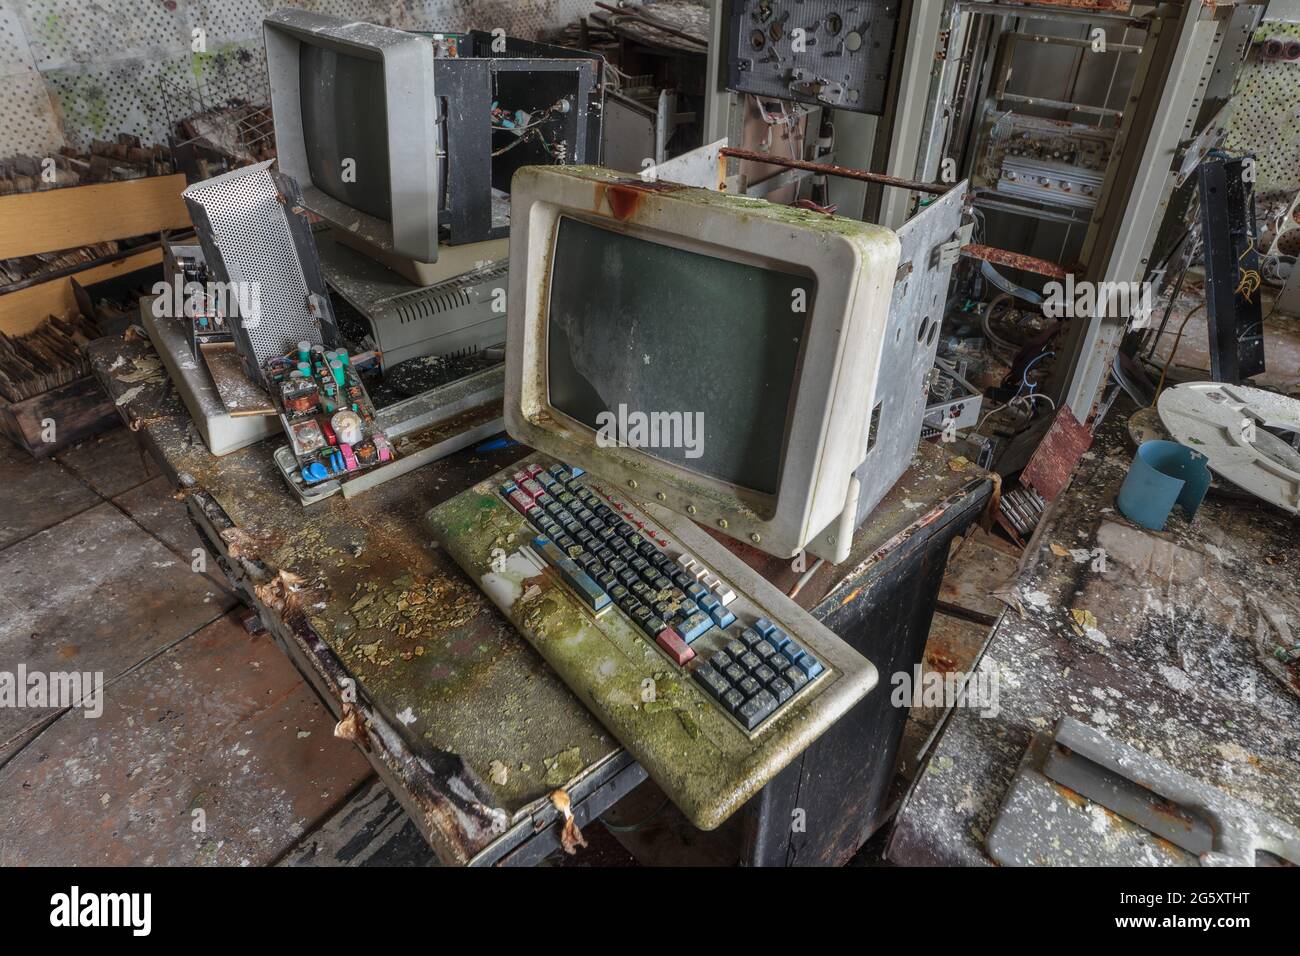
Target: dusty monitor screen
644, 331
345, 131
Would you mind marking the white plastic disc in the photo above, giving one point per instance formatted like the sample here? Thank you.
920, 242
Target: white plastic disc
1229, 424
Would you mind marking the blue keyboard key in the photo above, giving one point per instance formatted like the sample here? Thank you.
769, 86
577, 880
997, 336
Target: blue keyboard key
576, 471
508, 487
697, 591
707, 602
714, 609
778, 639
693, 626
791, 650
578, 579
809, 665
764, 626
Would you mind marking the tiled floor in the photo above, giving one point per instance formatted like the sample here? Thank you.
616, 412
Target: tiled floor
210, 749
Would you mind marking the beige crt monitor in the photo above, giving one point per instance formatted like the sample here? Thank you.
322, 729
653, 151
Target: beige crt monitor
714, 354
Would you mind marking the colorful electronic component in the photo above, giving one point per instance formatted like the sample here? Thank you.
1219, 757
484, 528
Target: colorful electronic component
326, 413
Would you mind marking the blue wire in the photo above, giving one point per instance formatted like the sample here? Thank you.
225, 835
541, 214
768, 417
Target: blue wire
1024, 378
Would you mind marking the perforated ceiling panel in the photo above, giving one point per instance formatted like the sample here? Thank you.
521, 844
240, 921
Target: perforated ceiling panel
72, 71
1267, 117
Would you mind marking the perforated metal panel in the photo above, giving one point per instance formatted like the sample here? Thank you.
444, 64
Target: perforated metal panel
251, 236
72, 71
1267, 117
26, 113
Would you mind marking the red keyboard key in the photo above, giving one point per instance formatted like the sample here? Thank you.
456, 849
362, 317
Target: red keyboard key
521, 476
523, 504
672, 642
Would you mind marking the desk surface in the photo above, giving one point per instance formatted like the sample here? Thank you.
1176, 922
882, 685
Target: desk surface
1173, 666
471, 722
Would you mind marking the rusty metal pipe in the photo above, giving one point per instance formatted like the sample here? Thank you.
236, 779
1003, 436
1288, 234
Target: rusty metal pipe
1013, 260
829, 169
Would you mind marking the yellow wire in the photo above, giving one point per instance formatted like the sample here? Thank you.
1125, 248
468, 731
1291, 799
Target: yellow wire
1251, 280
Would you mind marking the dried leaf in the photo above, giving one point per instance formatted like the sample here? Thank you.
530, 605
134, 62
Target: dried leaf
1083, 620
570, 836
352, 727
1059, 551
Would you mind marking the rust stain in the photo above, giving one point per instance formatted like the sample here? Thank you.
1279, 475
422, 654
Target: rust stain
1054, 460
1014, 260
1111, 6
625, 196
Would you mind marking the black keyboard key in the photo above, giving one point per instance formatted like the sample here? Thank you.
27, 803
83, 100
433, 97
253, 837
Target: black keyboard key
750, 661
781, 689
735, 649
735, 673
753, 711
721, 660
764, 649
713, 682
748, 686
733, 699
749, 637
795, 676
608, 581
653, 625
764, 673
682, 580
778, 663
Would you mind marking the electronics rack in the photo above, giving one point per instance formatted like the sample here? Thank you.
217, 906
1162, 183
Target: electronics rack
482, 158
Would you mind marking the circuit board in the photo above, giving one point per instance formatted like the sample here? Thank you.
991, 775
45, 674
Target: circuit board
327, 413
1046, 161
829, 52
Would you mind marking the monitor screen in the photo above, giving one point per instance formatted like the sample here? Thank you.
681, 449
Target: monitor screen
658, 329
343, 119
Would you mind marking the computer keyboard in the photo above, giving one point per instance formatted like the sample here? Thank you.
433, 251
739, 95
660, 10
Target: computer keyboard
711, 677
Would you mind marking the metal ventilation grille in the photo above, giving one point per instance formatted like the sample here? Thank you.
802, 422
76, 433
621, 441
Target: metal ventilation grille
433, 305
452, 294
250, 229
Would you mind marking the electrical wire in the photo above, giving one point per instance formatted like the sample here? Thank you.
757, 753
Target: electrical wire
630, 827
1174, 351
998, 341
1250, 278
1022, 402
1024, 377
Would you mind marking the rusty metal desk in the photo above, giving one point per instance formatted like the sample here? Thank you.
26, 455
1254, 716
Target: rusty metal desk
460, 718
1173, 661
